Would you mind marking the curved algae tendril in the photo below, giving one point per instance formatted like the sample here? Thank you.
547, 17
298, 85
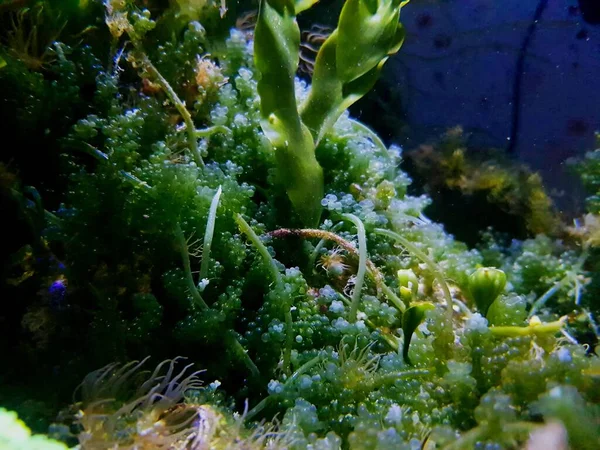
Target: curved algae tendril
362, 264
372, 270
312, 260
208, 235
190, 128
570, 276
433, 267
377, 142
260, 247
185, 259
181, 109
206, 132
268, 259
390, 339
303, 368
230, 336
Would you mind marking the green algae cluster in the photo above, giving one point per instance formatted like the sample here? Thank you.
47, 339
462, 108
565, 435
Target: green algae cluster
204, 202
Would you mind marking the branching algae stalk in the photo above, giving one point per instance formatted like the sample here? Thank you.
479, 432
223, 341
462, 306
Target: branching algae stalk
346, 68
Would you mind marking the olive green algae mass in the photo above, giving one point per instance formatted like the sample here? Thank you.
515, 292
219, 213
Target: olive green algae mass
214, 206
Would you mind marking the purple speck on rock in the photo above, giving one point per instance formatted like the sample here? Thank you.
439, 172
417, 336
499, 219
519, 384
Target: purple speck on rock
57, 292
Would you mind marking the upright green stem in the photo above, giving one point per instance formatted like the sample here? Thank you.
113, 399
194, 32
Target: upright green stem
350, 60
276, 41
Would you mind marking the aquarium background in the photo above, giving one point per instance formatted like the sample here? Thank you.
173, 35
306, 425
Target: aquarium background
518, 76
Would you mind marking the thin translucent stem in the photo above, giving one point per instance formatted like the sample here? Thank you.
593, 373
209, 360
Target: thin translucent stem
208, 234
571, 275
592, 321
387, 336
189, 277
179, 105
257, 408
260, 247
373, 136
540, 302
134, 180
362, 264
433, 267
392, 377
538, 329
302, 369
372, 271
578, 289
315, 253
391, 295
464, 308
206, 132
240, 352
230, 338
270, 262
